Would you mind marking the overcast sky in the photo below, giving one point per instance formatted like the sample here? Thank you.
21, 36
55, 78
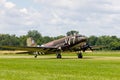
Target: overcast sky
56, 17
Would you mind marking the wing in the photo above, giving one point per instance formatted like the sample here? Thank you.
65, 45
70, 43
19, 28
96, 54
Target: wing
32, 49
98, 47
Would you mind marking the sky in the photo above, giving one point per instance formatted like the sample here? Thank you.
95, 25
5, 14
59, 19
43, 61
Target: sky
56, 17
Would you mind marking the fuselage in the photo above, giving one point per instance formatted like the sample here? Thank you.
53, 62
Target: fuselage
70, 42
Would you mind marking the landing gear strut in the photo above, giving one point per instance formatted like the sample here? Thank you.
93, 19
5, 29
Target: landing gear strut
35, 56
58, 54
80, 55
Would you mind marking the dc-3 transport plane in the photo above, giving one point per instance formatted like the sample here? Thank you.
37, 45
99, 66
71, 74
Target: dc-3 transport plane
77, 43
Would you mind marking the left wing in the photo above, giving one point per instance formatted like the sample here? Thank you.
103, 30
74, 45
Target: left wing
31, 49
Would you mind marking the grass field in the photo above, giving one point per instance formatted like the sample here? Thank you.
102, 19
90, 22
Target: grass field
94, 66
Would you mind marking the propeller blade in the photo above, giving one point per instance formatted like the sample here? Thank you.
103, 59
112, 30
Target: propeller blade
85, 47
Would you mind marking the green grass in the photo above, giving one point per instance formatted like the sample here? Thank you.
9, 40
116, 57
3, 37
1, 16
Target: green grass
60, 69
103, 53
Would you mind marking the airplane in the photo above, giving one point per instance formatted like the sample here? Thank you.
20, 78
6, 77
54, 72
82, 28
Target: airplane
77, 43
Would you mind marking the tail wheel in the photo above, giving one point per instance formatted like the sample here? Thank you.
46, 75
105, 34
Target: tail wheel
35, 56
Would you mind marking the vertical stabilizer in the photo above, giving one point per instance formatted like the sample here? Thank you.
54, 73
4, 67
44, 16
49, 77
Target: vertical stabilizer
30, 42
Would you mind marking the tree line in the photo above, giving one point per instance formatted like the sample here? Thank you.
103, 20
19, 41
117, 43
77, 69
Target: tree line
107, 42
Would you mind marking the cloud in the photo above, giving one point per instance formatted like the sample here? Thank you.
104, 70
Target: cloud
69, 4
56, 17
2, 1
24, 10
9, 5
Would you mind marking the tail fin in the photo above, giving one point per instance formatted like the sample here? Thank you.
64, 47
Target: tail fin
30, 42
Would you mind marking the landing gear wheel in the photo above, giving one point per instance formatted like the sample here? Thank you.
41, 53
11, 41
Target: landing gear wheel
80, 55
35, 56
59, 56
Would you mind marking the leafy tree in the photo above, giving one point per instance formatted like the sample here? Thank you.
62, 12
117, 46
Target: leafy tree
22, 40
10, 40
58, 37
110, 42
115, 45
92, 40
72, 32
47, 39
35, 35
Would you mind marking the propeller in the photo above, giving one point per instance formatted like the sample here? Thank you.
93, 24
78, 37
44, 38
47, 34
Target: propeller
85, 47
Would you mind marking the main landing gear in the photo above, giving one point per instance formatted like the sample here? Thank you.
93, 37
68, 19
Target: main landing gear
80, 55
58, 54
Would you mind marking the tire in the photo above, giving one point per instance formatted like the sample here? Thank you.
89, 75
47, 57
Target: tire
59, 56
80, 55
